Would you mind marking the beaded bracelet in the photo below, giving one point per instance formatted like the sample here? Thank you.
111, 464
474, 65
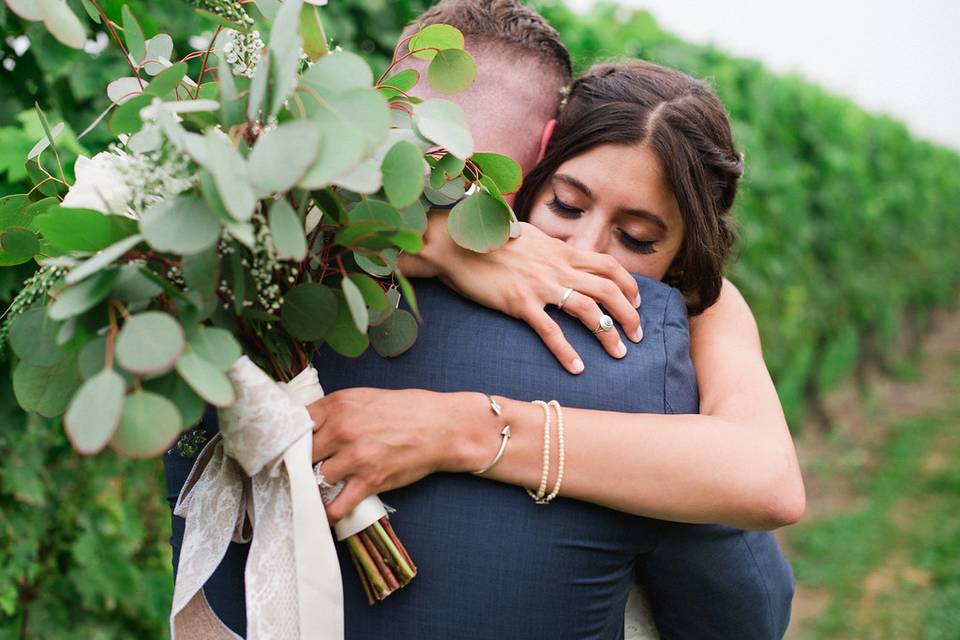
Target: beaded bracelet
561, 452
541, 491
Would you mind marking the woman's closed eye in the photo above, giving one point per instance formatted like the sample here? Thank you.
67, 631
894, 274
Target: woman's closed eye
563, 210
633, 244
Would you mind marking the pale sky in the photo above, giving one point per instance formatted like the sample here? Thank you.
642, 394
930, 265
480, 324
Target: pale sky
891, 56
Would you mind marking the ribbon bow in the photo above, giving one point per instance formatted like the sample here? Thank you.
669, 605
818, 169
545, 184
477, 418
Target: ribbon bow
255, 481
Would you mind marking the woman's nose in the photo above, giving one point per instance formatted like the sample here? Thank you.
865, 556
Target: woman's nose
590, 235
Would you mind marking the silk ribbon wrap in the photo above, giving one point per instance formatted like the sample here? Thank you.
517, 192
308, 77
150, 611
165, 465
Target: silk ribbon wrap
255, 482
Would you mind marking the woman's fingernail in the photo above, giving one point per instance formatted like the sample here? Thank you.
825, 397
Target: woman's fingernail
577, 365
636, 303
638, 336
621, 349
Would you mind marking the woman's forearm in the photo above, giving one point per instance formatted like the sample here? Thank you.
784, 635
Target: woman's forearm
689, 468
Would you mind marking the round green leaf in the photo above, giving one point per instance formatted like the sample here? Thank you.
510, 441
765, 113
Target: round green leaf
201, 271
435, 37
403, 174
442, 122
172, 387
309, 310
503, 170
356, 304
149, 424
371, 210
343, 337
337, 72
33, 338
480, 223
215, 345
83, 296
182, 225
205, 379
133, 286
82, 229
18, 242
372, 292
126, 118
452, 71
149, 343
46, 390
381, 265
167, 80
94, 412
377, 317
281, 157
286, 229
400, 83
351, 124
395, 335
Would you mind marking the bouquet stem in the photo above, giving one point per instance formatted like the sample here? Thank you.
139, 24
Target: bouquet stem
381, 561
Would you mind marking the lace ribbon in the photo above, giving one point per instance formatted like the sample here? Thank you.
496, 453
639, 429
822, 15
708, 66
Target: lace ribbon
254, 482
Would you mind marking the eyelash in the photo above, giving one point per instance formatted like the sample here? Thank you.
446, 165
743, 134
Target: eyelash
628, 241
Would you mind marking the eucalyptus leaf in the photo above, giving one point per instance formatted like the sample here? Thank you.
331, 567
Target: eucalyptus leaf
443, 123
378, 317
33, 337
504, 171
201, 271
343, 337
285, 44
159, 52
311, 30
183, 225
62, 23
374, 266
149, 425
372, 292
452, 71
229, 171
84, 295
215, 345
282, 156
403, 174
309, 310
395, 335
167, 80
206, 379
149, 343
132, 286
338, 72
415, 217
94, 412
102, 259
375, 210
133, 35
82, 229
434, 38
356, 304
448, 167
172, 387
18, 242
286, 229
126, 118
46, 390
400, 83
480, 223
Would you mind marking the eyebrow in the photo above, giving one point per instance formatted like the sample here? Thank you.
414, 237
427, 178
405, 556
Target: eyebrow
638, 213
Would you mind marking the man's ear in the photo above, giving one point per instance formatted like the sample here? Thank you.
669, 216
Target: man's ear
545, 136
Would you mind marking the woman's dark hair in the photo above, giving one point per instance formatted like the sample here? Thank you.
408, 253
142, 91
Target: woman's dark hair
686, 125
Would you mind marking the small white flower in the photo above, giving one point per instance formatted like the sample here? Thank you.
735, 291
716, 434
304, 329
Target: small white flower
100, 185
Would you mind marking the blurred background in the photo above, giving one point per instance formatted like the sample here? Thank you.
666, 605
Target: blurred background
849, 256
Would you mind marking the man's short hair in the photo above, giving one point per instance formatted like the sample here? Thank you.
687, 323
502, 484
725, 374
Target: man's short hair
506, 25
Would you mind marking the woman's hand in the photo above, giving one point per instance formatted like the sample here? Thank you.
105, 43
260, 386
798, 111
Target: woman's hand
378, 439
529, 273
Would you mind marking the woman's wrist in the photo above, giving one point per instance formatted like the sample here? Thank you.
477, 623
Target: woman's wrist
437, 250
473, 432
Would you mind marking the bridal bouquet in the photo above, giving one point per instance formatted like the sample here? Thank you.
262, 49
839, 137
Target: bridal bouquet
251, 210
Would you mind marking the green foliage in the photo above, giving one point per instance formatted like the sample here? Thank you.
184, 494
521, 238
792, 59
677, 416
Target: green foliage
848, 228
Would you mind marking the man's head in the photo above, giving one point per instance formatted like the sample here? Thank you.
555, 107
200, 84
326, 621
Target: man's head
522, 67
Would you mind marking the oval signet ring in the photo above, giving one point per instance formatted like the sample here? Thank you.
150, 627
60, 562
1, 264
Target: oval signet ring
605, 323
564, 297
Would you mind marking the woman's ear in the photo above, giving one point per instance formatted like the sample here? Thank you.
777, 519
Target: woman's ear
545, 136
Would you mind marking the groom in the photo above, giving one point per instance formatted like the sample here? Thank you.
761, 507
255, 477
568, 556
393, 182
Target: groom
522, 66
